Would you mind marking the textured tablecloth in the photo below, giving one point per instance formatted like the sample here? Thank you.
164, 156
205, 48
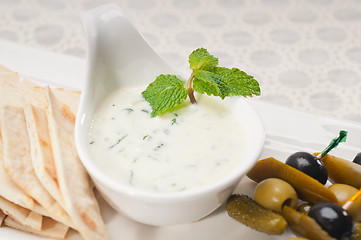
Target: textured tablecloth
306, 54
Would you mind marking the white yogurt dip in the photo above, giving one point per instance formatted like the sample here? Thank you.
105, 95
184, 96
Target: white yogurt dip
190, 147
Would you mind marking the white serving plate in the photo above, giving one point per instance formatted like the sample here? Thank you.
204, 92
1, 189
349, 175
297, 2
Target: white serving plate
287, 131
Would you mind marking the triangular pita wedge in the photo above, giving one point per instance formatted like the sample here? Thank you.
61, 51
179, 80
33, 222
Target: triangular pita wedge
8, 189
68, 97
10, 83
50, 228
2, 217
10, 91
17, 160
36, 94
74, 182
41, 150
42, 154
34, 218
16, 145
22, 215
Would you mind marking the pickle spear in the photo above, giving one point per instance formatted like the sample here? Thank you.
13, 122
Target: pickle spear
307, 187
304, 226
342, 171
247, 211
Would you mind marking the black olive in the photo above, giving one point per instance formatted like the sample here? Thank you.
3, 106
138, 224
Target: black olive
308, 164
357, 159
333, 219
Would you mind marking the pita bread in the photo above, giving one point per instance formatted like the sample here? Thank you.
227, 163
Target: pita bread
17, 160
41, 150
12, 80
32, 219
9, 190
74, 182
50, 228
37, 124
36, 95
21, 215
25, 135
42, 155
68, 97
12, 88
2, 217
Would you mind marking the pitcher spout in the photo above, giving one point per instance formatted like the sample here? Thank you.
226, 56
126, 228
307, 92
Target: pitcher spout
114, 43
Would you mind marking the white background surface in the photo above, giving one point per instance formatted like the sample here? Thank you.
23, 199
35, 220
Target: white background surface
305, 53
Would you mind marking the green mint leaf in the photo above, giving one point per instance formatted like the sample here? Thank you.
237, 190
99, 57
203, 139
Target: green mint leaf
166, 92
201, 59
210, 83
239, 82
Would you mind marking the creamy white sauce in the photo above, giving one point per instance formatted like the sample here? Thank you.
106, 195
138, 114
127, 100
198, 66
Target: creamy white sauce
190, 147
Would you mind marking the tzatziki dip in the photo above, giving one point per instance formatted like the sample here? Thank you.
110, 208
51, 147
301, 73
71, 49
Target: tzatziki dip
184, 149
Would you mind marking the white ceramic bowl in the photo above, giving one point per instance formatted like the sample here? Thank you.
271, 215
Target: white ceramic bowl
115, 52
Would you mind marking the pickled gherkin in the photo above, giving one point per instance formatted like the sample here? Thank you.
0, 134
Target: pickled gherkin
307, 187
342, 171
304, 226
247, 211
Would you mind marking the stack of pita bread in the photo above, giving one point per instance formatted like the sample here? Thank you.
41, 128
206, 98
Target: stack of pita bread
44, 188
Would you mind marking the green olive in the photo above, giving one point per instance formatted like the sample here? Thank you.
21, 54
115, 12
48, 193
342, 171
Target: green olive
343, 193
274, 194
304, 208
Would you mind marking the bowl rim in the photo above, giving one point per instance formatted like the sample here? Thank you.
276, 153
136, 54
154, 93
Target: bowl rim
98, 175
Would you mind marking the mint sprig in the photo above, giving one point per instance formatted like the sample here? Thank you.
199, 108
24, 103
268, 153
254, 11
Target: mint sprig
201, 59
239, 82
210, 83
168, 91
